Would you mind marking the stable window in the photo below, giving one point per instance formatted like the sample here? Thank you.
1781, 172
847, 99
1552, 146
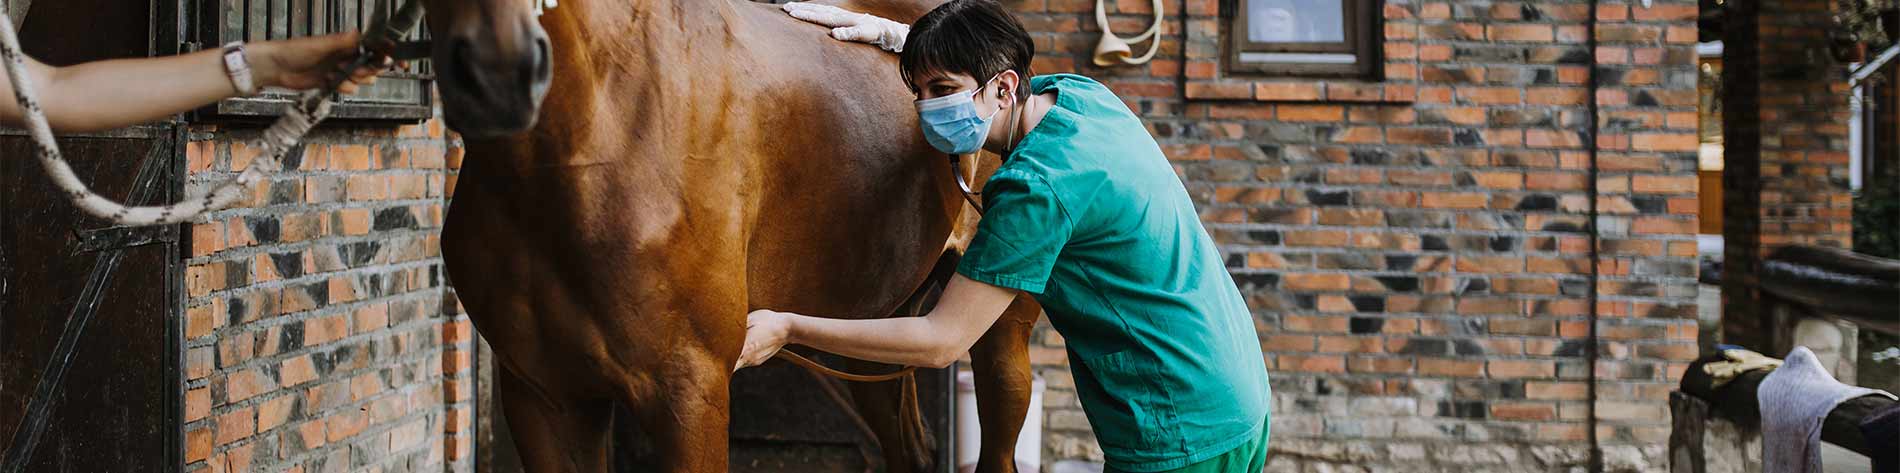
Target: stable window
396, 95
1303, 37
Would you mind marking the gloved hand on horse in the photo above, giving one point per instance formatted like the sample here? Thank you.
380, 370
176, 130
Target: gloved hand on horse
847, 25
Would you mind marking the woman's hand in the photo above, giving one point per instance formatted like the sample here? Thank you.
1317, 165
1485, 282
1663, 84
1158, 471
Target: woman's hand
309, 62
765, 333
847, 25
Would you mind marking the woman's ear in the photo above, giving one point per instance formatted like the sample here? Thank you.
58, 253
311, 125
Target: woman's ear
1007, 86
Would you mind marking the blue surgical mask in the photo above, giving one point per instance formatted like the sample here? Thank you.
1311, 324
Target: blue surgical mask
951, 124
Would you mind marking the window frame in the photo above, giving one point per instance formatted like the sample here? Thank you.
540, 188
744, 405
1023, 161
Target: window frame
218, 24
1361, 21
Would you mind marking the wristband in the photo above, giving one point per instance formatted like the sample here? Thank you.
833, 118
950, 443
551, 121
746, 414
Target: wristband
239, 69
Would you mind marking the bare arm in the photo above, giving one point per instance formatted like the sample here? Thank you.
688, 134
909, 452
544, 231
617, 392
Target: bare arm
967, 310
110, 94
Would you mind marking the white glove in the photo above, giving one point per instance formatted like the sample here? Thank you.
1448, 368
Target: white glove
847, 25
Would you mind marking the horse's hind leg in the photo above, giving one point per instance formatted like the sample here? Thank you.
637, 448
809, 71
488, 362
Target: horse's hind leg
555, 435
999, 363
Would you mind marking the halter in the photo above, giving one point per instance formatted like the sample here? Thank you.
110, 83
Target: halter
380, 44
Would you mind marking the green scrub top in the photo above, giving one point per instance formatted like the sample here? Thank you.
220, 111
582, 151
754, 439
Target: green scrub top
1087, 215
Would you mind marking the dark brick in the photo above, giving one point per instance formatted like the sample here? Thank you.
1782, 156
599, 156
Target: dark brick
1365, 325
394, 218
1463, 409
265, 230
1252, 281
1368, 303
1473, 286
1398, 283
287, 265
1468, 137
1503, 243
1433, 243
1398, 262
1328, 198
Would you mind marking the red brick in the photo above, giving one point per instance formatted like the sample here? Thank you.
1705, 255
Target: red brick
246, 384
1490, 95
1665, 12
198, 443
206, 238
1287, 343
1248, 111
1684, 184
345, 424
1311, 113
1320, 324
1371, 364
1490, 264
1507, 369
1663, 226
1539, 138
1523, 411
201, 320
297, 370
1453, 200
1349, 92
1219, 90
1312, 363
1420, 136
1315, 282
1520, 33
1663, 142
354, 222
321, 330
1450, 367
236, 425
1350, 344
365, 386
1556, 96
274, 412
1286, 91
1499, 180
197, 404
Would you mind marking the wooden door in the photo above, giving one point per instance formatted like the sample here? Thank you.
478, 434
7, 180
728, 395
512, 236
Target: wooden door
90, 340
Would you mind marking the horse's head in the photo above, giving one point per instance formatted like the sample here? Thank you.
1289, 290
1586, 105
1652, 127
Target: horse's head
493, 64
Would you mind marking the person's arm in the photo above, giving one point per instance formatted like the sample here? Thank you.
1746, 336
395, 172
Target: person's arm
115, 93
967, 309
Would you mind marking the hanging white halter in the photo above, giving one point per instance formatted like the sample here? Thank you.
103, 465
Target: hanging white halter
309, 109
1112, 49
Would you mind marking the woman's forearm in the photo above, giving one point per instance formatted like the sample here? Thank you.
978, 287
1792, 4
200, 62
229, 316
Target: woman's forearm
909, 341
111, 94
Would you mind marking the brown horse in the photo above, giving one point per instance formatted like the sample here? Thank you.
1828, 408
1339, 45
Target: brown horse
696, 159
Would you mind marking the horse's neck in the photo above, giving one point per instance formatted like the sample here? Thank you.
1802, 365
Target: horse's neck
614, 64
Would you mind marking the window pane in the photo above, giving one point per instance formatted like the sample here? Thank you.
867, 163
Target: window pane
1296, 21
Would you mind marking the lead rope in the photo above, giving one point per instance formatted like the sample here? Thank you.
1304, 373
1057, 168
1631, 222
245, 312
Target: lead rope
310, 108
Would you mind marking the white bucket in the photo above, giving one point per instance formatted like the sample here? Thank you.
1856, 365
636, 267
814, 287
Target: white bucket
969, 433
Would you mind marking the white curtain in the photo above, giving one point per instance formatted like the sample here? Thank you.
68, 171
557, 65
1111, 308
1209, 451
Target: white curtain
16, 9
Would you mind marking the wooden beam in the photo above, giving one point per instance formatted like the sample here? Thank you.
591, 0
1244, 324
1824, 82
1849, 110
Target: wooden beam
1737, 401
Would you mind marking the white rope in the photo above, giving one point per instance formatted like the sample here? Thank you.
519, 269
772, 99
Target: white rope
311, 108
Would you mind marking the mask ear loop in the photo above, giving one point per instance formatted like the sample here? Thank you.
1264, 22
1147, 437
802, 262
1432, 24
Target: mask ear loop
956, 165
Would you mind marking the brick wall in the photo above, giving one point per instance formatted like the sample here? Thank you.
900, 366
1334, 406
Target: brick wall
1787, 159
318, 337
1417, 249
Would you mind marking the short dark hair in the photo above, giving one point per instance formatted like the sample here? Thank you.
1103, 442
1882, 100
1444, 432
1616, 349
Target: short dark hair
975, 37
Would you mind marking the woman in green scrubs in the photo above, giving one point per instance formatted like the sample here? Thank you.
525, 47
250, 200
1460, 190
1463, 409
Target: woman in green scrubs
1086, 215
